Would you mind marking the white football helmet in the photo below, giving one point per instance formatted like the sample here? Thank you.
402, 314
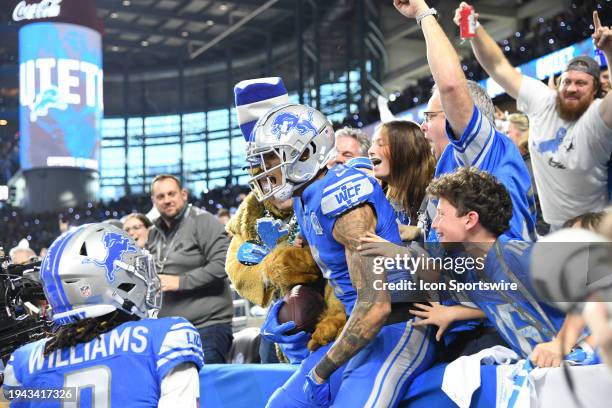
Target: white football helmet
296, 139
96, 269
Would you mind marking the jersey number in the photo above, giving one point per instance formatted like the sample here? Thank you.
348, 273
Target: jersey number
98, 378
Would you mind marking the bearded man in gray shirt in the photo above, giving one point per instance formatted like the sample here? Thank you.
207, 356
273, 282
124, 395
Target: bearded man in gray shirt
189, 246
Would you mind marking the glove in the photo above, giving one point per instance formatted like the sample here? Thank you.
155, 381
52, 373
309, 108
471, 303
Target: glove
273, 331
317, 394
250, 253
295, 352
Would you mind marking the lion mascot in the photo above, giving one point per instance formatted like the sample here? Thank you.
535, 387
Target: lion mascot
280, 270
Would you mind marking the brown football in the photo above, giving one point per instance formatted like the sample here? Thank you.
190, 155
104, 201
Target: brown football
303, 305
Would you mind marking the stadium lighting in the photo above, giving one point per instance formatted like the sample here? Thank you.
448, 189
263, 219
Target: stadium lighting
144, 43
185, 34
3, 122
127, 3
210, 23
114, 15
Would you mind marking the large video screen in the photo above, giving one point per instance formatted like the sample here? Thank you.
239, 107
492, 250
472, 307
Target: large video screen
60, 95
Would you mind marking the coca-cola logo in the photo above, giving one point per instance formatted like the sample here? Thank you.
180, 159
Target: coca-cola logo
44, 9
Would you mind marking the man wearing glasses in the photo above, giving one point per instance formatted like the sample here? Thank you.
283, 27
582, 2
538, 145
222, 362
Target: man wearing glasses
460, 123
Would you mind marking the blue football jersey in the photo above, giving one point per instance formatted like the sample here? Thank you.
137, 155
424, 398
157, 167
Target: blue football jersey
482, 146
320, 205
124, 367
519, 317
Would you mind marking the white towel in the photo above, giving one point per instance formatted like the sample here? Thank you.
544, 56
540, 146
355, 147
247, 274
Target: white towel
516, 385
462, 376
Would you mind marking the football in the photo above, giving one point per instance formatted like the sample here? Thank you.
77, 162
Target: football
303, 305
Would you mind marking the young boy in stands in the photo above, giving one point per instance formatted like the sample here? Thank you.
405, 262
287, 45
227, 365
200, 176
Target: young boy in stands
473, 211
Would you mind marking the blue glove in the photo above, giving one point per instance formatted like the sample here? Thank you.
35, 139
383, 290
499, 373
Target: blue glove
295, 352
273, 331
250, 253
317, 394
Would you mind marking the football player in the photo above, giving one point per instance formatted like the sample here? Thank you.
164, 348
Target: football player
107, 350
380, 351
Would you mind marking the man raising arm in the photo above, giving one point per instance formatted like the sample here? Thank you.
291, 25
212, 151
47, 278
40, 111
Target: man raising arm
460, 123
570, 127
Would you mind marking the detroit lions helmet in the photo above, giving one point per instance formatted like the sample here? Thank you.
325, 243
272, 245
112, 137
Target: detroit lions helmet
296, 139
96, 269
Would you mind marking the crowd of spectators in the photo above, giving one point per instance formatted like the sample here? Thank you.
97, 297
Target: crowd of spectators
9, 157
480, 180
530, 42
41, 229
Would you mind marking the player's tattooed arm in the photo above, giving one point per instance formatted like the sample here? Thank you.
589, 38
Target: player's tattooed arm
372, 306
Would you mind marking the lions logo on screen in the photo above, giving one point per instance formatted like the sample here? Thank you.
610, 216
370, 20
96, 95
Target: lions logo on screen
116, 246
286, 122
45, 100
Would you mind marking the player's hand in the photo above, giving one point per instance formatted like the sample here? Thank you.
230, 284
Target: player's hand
602, 36
547, 354
410, 8
457, 17
434, 313
317, 391
274, 331
169, 282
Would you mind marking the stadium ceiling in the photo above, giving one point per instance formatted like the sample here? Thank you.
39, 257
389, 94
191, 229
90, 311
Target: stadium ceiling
405, 45
154, 33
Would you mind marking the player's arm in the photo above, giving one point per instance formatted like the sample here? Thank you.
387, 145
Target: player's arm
372, 306
180, 387
492, 59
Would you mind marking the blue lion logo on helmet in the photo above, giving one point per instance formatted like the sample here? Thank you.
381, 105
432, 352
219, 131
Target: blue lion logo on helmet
285, 122
116, 246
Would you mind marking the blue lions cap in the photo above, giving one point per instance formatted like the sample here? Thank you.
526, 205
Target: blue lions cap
254, 97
